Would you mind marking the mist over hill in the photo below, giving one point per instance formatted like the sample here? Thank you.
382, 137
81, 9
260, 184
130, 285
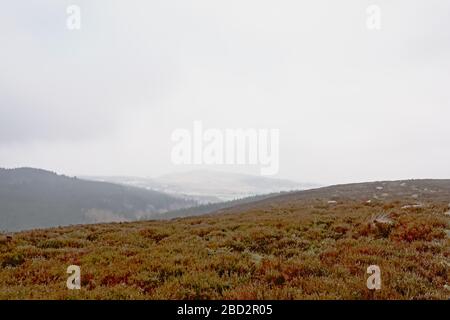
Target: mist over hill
208, 187
34, 198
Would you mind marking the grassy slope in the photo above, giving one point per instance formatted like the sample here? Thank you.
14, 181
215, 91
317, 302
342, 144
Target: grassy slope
306, 249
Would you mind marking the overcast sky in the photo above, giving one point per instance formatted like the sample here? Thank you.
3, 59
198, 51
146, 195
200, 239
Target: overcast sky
352, 104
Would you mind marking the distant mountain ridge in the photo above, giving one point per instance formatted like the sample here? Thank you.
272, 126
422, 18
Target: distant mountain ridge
36, 198
211, 186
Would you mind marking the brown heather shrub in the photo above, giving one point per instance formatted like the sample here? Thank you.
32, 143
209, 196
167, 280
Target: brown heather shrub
154, 234
60, 243
417, 232
12, 260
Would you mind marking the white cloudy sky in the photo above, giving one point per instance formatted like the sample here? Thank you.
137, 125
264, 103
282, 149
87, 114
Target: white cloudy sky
351, 104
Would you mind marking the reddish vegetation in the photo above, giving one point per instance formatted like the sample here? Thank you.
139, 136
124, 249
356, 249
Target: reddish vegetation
297, 250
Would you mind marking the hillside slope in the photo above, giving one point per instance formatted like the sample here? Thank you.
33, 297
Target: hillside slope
293, 246
415, 192
33, 198
411, 191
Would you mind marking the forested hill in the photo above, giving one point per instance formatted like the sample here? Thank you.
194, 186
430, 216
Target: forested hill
35, 198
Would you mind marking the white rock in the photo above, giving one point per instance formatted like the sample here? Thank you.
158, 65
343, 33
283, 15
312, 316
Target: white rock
412, 206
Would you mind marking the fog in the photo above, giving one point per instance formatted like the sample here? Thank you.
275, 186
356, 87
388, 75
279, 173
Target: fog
350, 103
